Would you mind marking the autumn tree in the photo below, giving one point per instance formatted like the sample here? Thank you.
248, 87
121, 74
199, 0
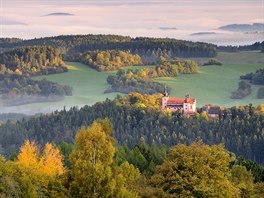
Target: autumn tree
29, 156
197, 170
32, 175
93, 171
49, 163
52, 161
243, 179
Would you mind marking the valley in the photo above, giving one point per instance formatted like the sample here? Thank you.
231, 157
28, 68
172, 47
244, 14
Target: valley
89, 85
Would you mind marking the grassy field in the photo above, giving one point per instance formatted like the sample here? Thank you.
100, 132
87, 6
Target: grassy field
88, 87
213, 84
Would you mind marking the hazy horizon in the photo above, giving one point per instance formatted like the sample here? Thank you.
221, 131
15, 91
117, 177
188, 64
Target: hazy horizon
152, 18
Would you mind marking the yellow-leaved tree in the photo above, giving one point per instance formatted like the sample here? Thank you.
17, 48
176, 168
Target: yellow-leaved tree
52, 161
49, 163
197, 170
36, 174
29, 156
94, 172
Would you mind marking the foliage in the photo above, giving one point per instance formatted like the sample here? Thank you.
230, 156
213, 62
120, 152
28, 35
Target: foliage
49, 163
142, 156
252, 47
259, 190
98, 169
244, 89
93, 167
140, 101
176, 66
20, 89
255, 78
12, 116
133, 81
260, 93
150, 49
257, 170
260, 108
141, 80
239, 128
108, 60
32, 60
197, 170
242, 179
66, 149
26, 178
213, 61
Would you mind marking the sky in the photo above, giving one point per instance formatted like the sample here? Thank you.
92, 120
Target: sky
152, 18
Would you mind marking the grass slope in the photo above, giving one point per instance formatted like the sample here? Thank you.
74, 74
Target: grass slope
88, 88
213, 85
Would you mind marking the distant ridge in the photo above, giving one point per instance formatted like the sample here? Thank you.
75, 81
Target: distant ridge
202, 33
59, 14
243, 27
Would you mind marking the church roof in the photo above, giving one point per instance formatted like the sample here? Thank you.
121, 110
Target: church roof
175, 101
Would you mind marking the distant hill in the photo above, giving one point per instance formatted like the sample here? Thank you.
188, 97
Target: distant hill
253, 47
202, 33
243, 27
149, 49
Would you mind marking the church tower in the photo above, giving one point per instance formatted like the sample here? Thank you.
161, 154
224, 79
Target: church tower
165, 99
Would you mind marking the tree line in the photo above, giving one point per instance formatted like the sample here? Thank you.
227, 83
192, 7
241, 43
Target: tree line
244, 89
107, 60
141, 80
254, 46
21, 89
150, 49
240, 129
32, 60
256, 78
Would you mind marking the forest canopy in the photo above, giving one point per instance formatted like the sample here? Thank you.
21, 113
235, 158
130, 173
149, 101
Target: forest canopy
141, 80
149, 49
32, 60
239, 128
107, 60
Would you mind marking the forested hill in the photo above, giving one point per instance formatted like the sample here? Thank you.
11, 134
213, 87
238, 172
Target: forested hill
143, 46
32, 60
239, 129
254, 46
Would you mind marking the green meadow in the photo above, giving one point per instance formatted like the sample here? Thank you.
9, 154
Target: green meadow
88, 88
212, 85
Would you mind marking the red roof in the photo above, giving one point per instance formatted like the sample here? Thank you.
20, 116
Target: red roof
174, 101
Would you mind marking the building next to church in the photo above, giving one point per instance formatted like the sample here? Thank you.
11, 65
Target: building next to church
213, 111
185, 105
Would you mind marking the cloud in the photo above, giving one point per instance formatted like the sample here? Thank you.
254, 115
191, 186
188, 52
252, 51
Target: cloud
168, 28
58, 14
11, 22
